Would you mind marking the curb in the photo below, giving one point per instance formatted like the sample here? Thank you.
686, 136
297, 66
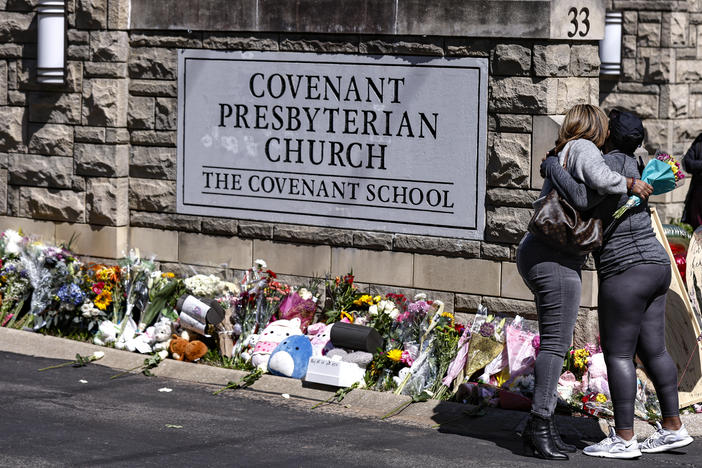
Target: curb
366, 403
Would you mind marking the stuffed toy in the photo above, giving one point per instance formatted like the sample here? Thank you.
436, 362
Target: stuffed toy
271, 337
319, 335
162, 334
290, 357
107, 333
141, 342
182, 349
360, 358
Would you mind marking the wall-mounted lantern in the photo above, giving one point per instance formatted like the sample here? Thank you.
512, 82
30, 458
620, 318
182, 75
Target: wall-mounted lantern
51, 26
611, 45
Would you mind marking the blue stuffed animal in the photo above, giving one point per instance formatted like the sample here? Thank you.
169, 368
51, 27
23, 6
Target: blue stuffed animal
290, 357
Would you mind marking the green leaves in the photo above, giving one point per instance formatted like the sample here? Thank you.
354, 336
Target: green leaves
338, 396
149, 363
80, 361
246, 381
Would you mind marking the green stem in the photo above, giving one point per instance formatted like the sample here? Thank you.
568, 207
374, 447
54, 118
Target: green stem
397, 410
64, 364
127, 371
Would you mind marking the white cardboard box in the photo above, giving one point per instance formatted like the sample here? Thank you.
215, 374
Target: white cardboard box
332, 372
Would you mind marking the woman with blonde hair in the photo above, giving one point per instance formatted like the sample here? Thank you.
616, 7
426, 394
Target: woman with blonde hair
554, 276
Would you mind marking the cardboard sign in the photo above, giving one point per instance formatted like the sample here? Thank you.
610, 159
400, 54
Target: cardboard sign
681, 329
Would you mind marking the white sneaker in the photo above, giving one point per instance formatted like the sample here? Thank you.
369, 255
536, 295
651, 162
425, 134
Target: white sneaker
665, 439
614, 447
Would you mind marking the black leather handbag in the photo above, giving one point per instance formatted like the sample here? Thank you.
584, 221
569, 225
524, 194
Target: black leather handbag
557, 223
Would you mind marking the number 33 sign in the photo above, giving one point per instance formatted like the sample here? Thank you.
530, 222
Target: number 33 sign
577, 20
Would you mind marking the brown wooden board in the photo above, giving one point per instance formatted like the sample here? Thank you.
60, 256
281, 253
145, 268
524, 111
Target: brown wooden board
681, 329
694, 272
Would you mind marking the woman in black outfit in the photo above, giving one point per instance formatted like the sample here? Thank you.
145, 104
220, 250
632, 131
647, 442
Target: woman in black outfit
692, 163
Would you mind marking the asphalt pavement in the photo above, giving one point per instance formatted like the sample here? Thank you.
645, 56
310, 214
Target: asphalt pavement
79, 417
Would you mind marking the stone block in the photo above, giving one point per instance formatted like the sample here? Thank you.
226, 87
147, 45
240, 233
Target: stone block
154, 242
468, 47
643, 105
154, 63
95, 241
509, 160
43, 230
695, 105
587, 330
172, 39
200, 249
341, 44
574, 90
473, 276
467, 303
674, 29
91, 14
117, 136
630, 22
551, 60
51, 139
101, 160
311, 234
302, 260
649, 35
3, 83
511, 60
650, 16
655, 65
518, 94
118, 14
12, 128
630, 71
169, 221
588, 295
507, 224
78, 37
256, 230
105, 102
437, 246
629, 46
511, 197
152, 195
368, 240
52, 204
490, 251
109, 46
235, 41
372, 266
107, 201
510, 307
415, 45
89, 134
105, 69
514, 123
152, 162
674, 101
16, 27
54, 107
152, 88
659, 134
3, 190
584, 60
688, 71
41, 171
545, 134
141, 114
166, 113
14, 51
221, 227
512, 285
153, 138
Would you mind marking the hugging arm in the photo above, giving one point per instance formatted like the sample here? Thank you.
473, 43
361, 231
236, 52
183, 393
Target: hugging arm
577, 193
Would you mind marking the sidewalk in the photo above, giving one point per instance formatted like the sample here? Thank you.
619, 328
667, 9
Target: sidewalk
363, 403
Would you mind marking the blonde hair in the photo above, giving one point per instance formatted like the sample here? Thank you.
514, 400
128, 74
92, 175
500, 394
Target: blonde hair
583, 121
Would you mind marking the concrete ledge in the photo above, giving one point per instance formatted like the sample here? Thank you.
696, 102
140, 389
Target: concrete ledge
364, 403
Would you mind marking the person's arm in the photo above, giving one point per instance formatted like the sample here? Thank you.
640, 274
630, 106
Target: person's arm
588, 165
692, 161
577, 193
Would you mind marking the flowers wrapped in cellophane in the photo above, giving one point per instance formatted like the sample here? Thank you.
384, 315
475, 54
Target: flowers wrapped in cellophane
662, 172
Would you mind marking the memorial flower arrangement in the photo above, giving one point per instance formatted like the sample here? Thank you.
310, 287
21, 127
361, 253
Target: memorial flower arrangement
425, 353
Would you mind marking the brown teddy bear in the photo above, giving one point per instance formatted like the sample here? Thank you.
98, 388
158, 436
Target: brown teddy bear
182, 349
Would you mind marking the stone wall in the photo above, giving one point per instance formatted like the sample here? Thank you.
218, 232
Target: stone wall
96, 157
661, 79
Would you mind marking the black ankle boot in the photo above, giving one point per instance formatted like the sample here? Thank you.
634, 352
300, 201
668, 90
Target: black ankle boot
538, 441
560, 444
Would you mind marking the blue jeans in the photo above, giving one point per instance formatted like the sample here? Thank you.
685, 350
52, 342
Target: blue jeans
555, 280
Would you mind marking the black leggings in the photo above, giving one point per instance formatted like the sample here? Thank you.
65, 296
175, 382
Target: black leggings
632, 320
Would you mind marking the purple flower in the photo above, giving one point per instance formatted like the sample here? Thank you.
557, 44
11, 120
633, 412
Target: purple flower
487, 329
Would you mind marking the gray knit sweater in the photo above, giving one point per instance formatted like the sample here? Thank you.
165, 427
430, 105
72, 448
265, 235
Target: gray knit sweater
633, 241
